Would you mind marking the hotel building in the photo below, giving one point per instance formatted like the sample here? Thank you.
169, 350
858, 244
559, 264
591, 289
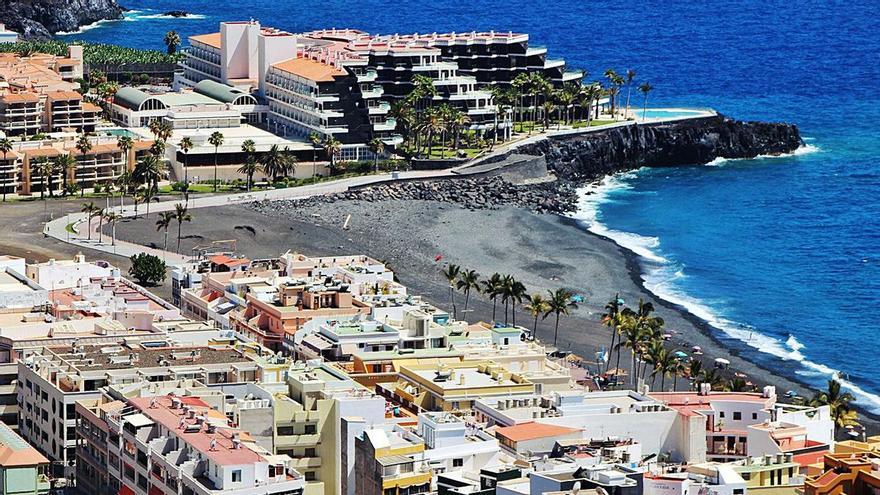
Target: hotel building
341, 83
38, 94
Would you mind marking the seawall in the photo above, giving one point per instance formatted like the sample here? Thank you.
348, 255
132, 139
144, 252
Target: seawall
590, 155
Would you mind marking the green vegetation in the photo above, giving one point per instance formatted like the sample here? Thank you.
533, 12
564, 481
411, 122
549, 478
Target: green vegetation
93, 53
147, 269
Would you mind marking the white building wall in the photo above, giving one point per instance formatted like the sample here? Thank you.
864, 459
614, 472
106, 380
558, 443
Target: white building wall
273, 49
238, 53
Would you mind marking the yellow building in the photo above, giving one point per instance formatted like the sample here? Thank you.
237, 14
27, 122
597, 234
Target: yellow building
455, 386
771, 475
388, 464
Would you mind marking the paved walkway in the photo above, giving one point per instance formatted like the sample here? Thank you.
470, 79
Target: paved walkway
58, 228
79, 221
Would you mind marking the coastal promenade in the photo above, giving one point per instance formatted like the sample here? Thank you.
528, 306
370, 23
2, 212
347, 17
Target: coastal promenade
69, 227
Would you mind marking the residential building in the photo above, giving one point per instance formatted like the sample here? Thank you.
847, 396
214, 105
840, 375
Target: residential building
389, 464
22, 468
38, 94
7, 35
850, 473
169, 444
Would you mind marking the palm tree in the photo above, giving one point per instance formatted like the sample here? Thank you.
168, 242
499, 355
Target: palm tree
712, 377
43, 169
148, 171
630, 77
839, 403
612, 77
377, 146
645, 88
148, 195
609, 319
216, 140
273, 162
172, 41
99, 214
89, 209
250, 166
112, 218
67, 163
468, 280
537, 306
164, 131
5, 148
164, 221
154, 126
315, 140
185, 145
560, 303
517, 294
451, 272
492, 289
83, 145
332, 147
125, 144
694, 370
737, 384
181, 214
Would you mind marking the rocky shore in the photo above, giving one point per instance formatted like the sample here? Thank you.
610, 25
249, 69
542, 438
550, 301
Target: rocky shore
43, 18
592, 155
474, 194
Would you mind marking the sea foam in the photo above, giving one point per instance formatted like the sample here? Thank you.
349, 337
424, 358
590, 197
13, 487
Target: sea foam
662, 277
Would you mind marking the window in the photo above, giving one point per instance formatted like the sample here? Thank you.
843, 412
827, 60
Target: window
457, 462
737, 416
311, 429
754, 415
236, 476
285, 430
721, 414
310, 452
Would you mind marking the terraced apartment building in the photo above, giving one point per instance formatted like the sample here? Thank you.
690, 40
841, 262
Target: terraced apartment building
342, 82
38, 94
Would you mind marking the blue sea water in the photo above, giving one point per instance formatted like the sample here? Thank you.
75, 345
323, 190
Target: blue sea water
781, 254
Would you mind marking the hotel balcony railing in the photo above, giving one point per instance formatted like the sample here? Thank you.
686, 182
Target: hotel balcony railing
382, 108
375, 92
388, 125
554, 62
368, 76
536, 50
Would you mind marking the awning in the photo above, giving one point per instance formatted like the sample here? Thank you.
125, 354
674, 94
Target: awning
349, 349
316, 342
124, 490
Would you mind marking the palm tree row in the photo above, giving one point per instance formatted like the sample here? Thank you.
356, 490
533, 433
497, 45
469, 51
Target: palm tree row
511, 293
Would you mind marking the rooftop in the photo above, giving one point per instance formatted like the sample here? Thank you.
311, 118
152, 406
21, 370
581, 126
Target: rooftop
217, 445
15, 451
310, 69
533, 431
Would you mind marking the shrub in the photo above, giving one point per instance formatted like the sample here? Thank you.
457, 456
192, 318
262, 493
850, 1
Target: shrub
147, 269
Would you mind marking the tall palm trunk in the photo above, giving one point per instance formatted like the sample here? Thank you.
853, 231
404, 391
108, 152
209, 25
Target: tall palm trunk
556, 330
610, 348
452, 300
535, 327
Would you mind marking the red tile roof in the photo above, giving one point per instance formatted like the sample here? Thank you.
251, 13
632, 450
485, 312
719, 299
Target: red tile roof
310, 69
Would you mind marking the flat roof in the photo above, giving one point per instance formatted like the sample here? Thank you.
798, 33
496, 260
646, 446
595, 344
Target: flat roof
159, 409
532, 431
210, 39
310, 69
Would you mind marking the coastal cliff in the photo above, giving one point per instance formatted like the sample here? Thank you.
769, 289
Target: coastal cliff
43, 18
590, 155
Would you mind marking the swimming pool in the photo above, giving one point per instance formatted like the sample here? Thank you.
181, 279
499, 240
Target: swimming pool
669, 113
118, 131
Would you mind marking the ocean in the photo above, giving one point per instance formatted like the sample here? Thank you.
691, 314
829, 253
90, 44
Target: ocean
781, 255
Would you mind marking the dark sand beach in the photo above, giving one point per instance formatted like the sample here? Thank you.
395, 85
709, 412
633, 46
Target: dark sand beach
543, 251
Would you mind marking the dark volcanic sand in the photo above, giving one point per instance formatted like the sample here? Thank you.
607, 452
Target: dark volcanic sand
543, 251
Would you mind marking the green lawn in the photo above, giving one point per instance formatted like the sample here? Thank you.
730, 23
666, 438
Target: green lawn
69, 228
446, 153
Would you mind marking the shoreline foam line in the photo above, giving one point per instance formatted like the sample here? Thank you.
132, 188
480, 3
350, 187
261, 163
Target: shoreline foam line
659, 276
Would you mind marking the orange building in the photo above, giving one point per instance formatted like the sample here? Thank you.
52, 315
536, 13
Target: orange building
846, 473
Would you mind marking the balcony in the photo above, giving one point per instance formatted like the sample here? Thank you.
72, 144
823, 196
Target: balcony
553, 63
368, 76
375, 92
388, 125
534, 51
380, 109
572, 75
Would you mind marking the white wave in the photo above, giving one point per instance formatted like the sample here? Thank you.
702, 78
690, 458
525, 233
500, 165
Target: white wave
163, 16
805, 149
661, 277
589, 200
87, 27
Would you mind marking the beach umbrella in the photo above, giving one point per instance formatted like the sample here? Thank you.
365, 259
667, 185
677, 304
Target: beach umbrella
680, 354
